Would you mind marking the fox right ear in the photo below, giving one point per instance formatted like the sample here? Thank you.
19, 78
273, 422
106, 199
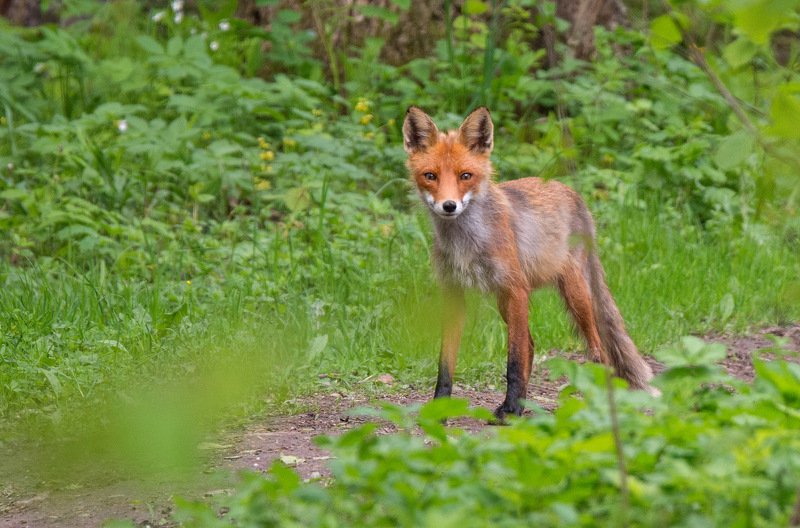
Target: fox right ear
419, 130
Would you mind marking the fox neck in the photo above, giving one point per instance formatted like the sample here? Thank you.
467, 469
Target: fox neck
462, 252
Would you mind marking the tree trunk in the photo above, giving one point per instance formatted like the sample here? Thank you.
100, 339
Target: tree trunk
583, 15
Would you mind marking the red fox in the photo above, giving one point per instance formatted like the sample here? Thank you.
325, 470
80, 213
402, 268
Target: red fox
509, 239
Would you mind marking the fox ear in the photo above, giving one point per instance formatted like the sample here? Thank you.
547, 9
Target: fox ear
477, 131
419, 130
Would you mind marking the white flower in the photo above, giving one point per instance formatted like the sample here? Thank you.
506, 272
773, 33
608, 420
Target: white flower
158, 17
178, 17
224, 25
39, 67
214, 45
177, 5
10, 166
122, 126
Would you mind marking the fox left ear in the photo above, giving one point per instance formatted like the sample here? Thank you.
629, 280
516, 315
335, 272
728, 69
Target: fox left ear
477, 131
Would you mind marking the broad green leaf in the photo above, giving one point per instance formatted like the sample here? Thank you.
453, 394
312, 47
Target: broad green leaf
739, 52
664, 32
297, 199
785, 113
734, 150
692, 351
758, 19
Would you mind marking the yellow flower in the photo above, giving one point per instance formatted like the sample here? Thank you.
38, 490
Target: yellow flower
289, 142
188, 282
263, 185
362, 105
365, 119
267, 155
262, 143
391, 122
206, 135
317, 112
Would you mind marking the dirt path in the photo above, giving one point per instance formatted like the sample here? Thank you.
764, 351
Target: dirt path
291, 439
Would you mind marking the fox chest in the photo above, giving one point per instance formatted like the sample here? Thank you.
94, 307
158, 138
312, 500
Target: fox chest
467, 258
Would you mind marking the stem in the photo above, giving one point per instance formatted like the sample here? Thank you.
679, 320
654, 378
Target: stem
795, 519
623, 472
488, 56
328, 45
448, 34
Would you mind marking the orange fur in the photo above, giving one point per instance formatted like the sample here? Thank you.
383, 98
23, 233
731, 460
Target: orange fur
509, 239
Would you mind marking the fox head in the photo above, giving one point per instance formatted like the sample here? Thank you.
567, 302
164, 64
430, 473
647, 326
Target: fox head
449, 169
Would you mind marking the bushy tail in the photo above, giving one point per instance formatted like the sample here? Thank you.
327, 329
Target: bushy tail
624, 356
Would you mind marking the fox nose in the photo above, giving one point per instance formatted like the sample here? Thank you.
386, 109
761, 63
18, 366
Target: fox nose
449, 206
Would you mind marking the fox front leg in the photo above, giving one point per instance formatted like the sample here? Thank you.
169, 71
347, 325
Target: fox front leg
452, 327
514, 309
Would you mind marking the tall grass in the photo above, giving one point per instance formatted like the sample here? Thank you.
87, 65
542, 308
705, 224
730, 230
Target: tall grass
66, 333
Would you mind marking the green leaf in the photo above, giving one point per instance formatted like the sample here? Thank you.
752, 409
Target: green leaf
785, 113
52, 378
664, 32
726, 307
402, 4
475, 7
150, 45
733, 150
297, 199
317, 345
758, 19
692, 351
739, 52
174, 46
382, 13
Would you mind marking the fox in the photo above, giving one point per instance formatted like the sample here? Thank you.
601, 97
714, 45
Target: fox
509, 239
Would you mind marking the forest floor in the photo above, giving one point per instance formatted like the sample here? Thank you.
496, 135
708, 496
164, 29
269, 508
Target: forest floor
290, 438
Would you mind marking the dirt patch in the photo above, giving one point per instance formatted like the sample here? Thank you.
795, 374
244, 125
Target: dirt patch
290, 438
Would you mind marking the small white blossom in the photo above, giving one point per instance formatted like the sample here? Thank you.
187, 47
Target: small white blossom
224, 25
122, 126
214, 45
158, 17
177, 5
10, 166
39, 67
178, 17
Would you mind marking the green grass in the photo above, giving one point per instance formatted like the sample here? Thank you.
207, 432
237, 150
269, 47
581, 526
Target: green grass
70, 336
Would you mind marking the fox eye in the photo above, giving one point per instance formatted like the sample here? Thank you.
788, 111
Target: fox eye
430, 176
465, 176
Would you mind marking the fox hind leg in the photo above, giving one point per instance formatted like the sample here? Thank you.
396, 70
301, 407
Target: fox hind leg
574, 289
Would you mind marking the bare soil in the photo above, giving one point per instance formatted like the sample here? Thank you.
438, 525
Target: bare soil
290, 438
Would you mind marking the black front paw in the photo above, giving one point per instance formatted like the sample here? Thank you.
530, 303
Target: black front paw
506, 409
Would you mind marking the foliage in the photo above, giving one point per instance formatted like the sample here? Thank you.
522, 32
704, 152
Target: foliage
191, 201
156, 193
712, 451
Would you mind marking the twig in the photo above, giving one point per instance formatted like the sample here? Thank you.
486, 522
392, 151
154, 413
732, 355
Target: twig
623, 471
795, 519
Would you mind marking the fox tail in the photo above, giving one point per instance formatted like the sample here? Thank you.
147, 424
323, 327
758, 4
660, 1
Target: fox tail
619, 347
